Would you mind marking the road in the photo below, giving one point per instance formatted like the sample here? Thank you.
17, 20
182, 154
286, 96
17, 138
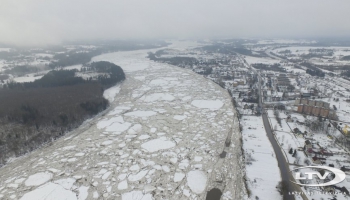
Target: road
282, 163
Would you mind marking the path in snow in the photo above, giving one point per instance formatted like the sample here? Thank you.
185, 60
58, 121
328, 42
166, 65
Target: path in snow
160, 139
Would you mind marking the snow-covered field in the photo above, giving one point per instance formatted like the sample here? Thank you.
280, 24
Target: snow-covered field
284, 41
333, 59
29, 78
2, 65
262, 169
78, 67
255, 60
160, 139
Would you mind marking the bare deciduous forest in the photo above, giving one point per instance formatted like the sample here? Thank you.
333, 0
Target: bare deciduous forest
35, 113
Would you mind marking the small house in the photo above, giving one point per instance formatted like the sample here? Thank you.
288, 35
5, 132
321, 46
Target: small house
307, 144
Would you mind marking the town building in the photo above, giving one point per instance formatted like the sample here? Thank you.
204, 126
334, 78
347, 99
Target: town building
315, 108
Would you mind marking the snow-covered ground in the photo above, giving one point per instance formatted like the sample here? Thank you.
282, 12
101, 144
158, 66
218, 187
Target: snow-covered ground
5, 49
160, 139
333, 59
78, 67
265, 60
288, 140
28, 78
2, 64
111, 92
284, 41
262, 169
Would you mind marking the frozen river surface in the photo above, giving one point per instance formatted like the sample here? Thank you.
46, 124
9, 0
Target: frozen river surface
161, 138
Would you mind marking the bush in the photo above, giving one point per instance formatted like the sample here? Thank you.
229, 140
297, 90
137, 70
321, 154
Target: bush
290, 151
282, 187
277, 116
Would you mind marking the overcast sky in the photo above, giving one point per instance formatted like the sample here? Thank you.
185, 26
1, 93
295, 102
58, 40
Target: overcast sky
39, 22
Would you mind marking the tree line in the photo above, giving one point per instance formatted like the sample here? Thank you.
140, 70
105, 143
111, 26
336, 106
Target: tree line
312, 70
110, 74
316, 72
275, 67
178, 60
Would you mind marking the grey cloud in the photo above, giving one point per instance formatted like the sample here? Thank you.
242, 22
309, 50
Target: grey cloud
39, 22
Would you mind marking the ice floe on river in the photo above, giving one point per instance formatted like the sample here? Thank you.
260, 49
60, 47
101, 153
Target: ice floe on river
160, 139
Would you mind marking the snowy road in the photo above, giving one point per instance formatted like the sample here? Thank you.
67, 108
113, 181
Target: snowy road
160, 139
